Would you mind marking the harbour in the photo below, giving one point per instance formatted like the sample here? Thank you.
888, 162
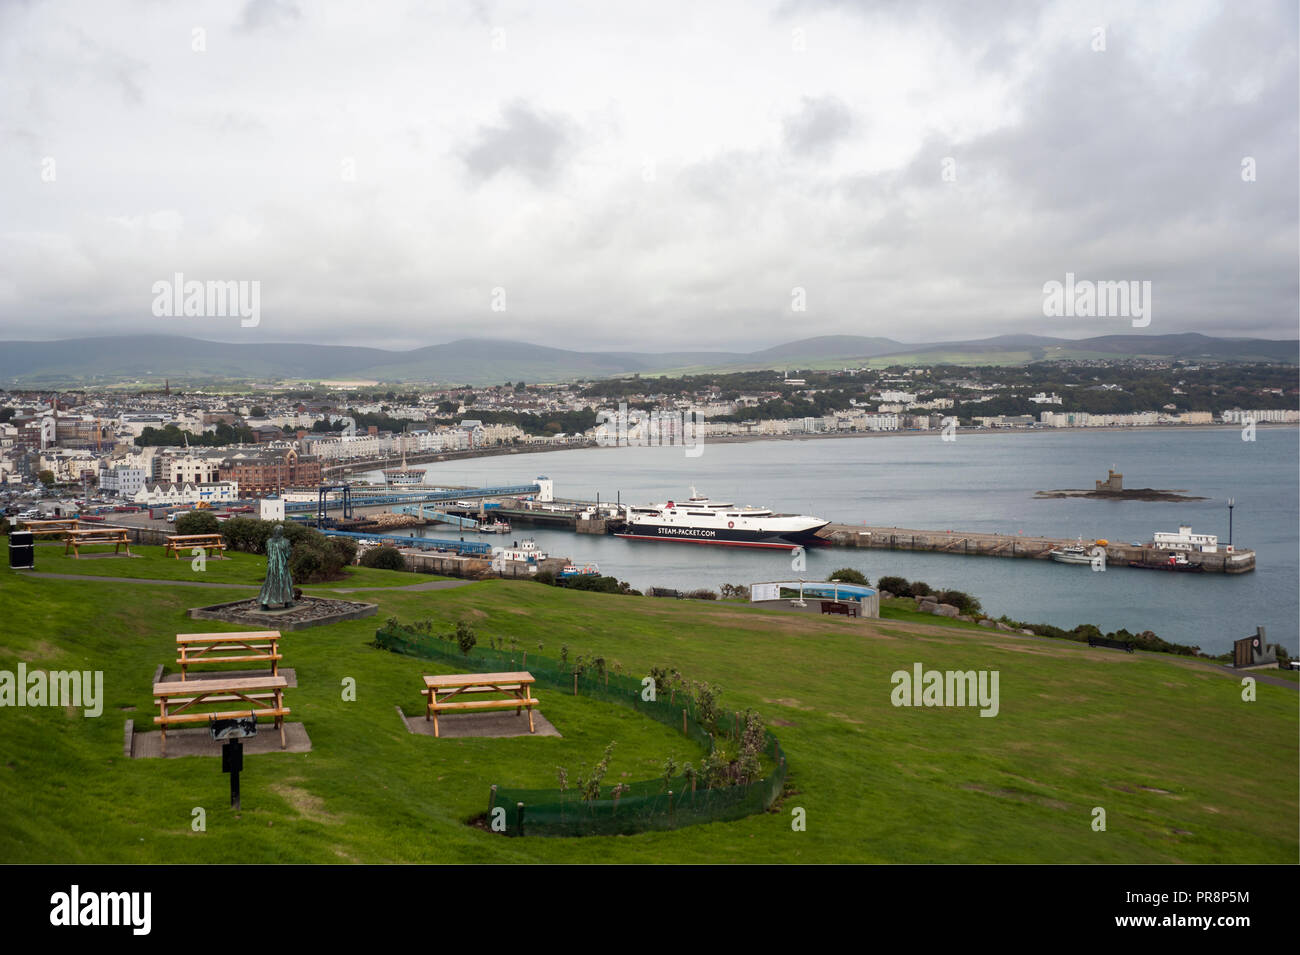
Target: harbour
983, 485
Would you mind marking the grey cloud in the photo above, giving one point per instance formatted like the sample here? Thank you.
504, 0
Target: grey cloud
262, 13
819, 125
527, 141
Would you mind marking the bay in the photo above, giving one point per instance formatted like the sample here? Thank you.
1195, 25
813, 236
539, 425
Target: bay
978, 482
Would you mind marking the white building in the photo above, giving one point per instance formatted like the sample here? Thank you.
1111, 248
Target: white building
218, 492
1186, 540
123, 479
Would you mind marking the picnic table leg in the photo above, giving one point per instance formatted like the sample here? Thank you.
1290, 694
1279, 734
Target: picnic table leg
528, 695
279, 718
163, 705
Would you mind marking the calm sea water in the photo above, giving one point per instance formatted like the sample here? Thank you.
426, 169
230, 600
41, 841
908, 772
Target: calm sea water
976, 483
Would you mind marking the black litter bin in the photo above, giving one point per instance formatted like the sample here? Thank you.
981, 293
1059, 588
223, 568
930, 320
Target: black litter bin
22, 552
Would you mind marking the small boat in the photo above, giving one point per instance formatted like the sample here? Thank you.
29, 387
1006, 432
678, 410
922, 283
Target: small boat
1176, 562
495, 527
586, 570
1076, 554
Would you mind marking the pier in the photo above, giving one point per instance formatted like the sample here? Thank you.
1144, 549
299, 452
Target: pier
976, 544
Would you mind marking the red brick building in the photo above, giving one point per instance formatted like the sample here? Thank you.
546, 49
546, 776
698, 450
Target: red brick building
271, 473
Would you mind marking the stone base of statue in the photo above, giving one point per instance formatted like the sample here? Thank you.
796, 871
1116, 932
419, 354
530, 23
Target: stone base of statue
298, 615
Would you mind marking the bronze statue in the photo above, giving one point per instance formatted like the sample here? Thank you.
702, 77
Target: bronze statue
278, 586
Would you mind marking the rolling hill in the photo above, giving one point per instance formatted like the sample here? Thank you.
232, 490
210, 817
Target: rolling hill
113, 360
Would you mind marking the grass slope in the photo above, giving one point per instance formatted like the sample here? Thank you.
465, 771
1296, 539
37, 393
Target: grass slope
1186, 770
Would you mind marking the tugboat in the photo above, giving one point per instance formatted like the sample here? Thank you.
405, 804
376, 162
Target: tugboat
586, 570
1176, 562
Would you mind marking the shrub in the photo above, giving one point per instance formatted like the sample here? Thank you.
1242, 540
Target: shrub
848, 575
346, 547
734, 591
961, 600
246, 533
465, 638
313, 560
198, 522
384, 558
707, 709
545, 577
895, 585
701, 594
919, 588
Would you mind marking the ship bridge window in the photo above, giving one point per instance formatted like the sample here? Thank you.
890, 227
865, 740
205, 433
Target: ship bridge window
700, 513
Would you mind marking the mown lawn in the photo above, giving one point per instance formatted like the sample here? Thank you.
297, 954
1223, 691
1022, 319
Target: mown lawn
153, 563
1186, 771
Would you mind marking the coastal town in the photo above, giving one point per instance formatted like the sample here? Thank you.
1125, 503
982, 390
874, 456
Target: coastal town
174, 445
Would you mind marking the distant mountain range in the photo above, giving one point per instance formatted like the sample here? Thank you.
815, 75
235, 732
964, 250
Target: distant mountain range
474, 361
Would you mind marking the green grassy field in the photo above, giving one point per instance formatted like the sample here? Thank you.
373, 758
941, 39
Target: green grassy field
153, 563
1186, 771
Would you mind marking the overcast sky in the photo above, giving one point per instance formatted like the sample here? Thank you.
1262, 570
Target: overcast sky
656, 176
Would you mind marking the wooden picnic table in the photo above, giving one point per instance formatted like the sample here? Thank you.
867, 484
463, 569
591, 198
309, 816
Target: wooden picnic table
179, 542
255, 646
179, 702
53, 528
118, 537
517, 688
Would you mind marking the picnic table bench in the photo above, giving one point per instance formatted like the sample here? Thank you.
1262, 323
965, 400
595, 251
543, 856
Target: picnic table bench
56, 528
179, 542
76, 539
516, 686
192, 702
256, 646
834, 606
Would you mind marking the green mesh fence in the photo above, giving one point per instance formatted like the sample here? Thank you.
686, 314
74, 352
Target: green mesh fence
644, 806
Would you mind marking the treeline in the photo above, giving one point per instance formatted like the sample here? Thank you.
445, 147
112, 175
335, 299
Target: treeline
172, 436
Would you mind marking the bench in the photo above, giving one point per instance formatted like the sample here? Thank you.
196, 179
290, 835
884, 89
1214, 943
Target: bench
665, 592
516, 686
80, 538
209, 542
51, 528
834, 606
1125, 645
257, 646
179, 702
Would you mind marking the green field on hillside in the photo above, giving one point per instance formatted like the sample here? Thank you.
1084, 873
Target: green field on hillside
154, 563
1186, 771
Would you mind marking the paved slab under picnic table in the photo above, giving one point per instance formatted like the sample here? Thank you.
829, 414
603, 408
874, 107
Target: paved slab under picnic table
199, 742
491, 724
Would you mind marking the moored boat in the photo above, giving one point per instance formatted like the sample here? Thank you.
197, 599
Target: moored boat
699, 520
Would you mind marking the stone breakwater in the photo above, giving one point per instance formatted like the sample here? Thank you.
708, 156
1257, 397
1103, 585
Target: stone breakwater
976, 544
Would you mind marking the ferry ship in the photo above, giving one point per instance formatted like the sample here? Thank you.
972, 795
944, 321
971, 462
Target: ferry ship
698, 520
